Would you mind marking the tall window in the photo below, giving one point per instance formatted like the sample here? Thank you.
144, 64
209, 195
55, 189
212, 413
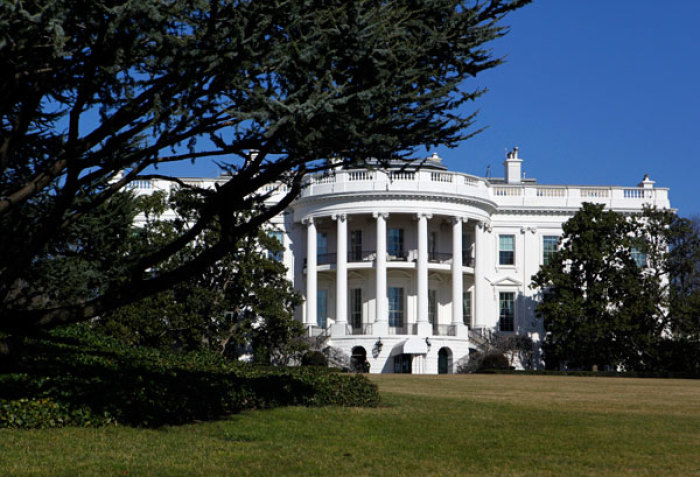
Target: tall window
396, 306
395, 242
356, 245
321, 308
506, 250
467, 308
356, 307
466, 250
321, 243
549, 246
506, 311
432, 238
277, 235
639, 257
432, 308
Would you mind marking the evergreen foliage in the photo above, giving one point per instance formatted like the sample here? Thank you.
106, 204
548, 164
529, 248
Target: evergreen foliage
97, 93
602, 308
76, 377
241, 304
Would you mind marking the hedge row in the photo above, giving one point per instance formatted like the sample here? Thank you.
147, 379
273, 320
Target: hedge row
75, 377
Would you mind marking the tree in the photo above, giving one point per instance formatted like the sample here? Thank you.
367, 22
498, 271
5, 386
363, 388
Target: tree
95, 94
600, 307
243, 299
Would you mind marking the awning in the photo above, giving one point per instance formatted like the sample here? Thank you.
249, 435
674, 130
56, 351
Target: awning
410, 346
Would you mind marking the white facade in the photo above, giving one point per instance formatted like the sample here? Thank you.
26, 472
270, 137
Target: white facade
406, 266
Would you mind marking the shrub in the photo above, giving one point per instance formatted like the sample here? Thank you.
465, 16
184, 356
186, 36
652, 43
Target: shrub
314, 358
78, 378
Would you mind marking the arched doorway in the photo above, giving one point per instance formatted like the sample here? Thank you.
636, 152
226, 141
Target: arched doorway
444, 360
358, 358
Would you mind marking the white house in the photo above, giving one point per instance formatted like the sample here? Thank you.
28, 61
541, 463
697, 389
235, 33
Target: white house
408, 267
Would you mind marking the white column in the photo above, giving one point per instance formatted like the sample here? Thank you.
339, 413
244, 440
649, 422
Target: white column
341, 276
424, 327
310, 272
381, 323
457, 279
479, 257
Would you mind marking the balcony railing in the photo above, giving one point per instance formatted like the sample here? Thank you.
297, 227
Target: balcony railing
398, 330
523, 194
443, 330
397, 256
365, 329
361, 255
439, 256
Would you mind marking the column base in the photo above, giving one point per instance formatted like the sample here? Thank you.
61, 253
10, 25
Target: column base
423, 328
380, 328
461, 330
339, 329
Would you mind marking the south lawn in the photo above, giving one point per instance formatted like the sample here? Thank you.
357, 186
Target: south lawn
431, 425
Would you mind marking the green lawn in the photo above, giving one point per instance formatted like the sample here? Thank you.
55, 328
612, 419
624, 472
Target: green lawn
453, 425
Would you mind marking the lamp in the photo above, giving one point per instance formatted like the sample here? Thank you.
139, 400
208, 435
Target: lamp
427, 342
379, 345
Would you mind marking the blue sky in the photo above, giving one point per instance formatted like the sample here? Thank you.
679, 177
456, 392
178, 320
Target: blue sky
595, 92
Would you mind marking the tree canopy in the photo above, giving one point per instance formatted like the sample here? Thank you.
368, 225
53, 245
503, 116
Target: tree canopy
95, 94
611, 295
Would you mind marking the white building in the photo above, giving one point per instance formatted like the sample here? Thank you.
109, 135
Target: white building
407, 267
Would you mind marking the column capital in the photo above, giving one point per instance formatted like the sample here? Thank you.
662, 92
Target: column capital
307, 220
483, 224
427, 215
455, 218
342, 217
383, 215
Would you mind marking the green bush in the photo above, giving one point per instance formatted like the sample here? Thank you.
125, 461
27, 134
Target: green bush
314, 358
78, 378
494, 360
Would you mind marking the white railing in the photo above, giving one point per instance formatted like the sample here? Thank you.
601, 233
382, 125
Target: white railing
361, 175
595, 193
551, 192
507, 191
525, 194
402, 176
636, 193
140, 184
441, 176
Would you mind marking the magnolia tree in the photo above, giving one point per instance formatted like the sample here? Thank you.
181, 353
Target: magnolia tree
96, 94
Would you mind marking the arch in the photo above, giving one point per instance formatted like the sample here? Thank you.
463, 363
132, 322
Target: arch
445, 361
358, 359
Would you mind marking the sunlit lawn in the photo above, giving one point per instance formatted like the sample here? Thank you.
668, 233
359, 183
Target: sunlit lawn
454, 425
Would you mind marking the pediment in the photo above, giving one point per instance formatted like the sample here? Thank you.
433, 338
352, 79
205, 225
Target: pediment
507, 282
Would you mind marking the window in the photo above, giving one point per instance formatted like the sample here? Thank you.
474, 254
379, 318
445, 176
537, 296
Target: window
639, 257
549, 247
356, 307
356, 245
432, 308
277, 235
432, 238
395, 243
467, 308
506, 250
321, 308
506, 311
396, 307
321, 244
466, 250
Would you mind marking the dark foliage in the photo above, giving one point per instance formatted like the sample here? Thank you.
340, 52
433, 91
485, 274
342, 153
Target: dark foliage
74, 377
314, 358
94, 94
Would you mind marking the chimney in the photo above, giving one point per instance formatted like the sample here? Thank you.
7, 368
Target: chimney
513, 166
646, 182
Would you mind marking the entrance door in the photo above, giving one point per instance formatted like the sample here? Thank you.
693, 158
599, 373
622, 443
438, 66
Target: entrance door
443, 361
358, 358
403, 363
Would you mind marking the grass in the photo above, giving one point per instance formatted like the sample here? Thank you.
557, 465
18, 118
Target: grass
431, 425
